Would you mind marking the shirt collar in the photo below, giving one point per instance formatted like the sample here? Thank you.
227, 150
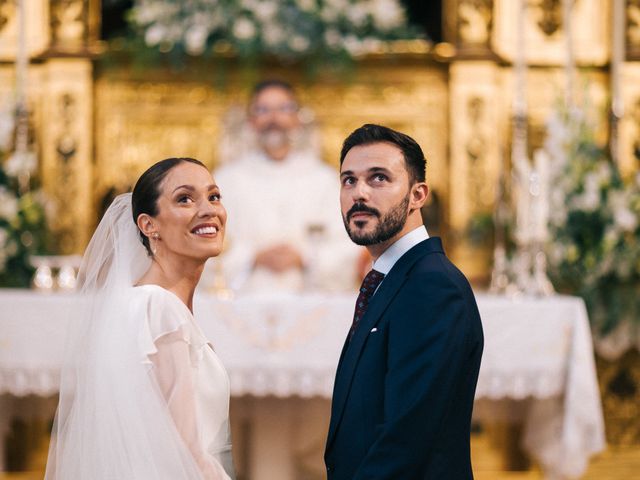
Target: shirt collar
391, 255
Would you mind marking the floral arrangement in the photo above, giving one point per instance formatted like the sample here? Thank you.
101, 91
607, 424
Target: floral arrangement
287, 29
22, 215
594, 226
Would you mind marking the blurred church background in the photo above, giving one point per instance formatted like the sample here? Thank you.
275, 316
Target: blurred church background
529, 115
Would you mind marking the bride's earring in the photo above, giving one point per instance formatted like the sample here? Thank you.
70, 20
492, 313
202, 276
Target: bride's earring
154, 244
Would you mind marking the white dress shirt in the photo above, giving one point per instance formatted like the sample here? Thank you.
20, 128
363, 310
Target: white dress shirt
391, 255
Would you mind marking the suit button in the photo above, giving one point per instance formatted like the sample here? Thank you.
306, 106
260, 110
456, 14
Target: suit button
329, 468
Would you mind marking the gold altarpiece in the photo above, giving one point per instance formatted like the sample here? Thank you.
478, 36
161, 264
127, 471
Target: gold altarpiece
97, 129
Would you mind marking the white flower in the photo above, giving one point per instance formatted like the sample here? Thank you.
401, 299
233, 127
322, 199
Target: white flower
265, 11
558, 214
307, 5
329, 13
195, 39
19, 163
556, 253
244, 29
273, 34
152, 11
298, 43
623, 217
332, 38
590, 198
192, 22
357, 14
603, 174
8, 204
387, 14
155, 34
352, 45
370, 44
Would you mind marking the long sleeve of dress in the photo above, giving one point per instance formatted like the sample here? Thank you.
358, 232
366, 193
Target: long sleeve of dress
174, 373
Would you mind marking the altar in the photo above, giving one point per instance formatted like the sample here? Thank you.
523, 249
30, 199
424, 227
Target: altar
537, 368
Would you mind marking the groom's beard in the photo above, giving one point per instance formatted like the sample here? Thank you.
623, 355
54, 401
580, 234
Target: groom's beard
389, 224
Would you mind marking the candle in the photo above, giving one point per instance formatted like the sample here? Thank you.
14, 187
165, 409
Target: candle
617, 58
519, 140
22, 115
543, 174
570, 63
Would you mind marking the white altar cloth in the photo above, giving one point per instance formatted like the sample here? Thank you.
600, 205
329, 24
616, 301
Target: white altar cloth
537, 352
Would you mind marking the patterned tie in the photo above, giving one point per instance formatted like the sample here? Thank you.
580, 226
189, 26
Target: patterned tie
368, 287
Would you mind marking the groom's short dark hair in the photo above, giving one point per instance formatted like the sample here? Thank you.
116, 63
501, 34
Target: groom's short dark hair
369, 133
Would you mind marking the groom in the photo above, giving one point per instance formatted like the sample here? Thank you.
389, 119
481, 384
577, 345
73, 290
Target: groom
404, 388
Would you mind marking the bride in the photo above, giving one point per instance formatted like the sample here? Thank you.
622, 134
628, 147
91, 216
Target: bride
142, 394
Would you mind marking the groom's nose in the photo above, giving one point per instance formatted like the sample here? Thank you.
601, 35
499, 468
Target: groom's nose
361, 192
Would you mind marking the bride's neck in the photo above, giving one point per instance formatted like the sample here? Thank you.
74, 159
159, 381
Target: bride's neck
178, 276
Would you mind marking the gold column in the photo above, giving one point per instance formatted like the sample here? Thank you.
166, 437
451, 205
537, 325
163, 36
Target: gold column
66, 131
476, 138
629, 128
66, 149
37, 28
476, 128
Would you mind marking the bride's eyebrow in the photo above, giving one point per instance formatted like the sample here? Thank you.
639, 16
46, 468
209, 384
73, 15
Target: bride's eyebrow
186, 187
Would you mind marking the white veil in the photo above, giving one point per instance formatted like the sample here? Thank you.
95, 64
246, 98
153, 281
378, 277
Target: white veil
112, 422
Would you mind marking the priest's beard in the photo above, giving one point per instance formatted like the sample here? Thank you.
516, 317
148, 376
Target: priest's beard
388, 225
274, 137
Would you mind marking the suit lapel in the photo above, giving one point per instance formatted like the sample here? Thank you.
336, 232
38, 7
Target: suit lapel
378, 304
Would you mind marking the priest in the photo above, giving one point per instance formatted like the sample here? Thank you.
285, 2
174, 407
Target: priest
284, 231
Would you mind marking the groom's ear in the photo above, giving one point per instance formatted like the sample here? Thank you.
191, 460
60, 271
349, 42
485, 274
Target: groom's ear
145, 224
418, 196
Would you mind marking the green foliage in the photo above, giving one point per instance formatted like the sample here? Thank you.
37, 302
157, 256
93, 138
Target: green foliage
595, 227
23, 227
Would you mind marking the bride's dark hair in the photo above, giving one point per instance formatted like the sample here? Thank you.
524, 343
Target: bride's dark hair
147, 190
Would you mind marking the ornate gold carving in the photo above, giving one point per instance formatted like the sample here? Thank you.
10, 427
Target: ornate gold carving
620, 386
633, 29
550, 20
474, 22
476, 152
550, 16
6, 11
635, 113
64, 189
140, 122
68, 22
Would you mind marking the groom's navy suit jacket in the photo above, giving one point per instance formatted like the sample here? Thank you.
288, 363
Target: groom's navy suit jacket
405, 383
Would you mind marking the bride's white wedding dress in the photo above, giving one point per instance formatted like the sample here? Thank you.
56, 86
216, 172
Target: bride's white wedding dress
192, 379
143, 396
